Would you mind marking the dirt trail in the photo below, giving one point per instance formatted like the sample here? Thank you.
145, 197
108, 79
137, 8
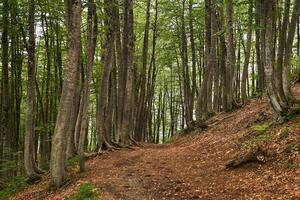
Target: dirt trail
191, 167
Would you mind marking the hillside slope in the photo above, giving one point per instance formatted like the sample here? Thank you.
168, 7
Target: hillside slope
193, 166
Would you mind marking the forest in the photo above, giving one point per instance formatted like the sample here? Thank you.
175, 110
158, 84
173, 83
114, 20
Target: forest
81, 80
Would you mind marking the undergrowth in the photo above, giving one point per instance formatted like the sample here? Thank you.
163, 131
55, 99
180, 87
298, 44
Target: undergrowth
17, 184
261, 128
284, 133
73, 161
87, 191
259, 139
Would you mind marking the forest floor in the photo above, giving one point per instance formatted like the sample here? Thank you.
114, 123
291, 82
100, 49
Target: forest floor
193, 166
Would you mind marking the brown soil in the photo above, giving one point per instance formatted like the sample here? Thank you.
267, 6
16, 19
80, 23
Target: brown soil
193, 166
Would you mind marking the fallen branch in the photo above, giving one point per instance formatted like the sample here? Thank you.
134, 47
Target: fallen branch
255, 155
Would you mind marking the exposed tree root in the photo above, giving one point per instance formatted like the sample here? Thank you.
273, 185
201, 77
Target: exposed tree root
88, 156
108, 147
111, 147
33, 179
129, 147
255, 155
135, 142
38, 170
116, 144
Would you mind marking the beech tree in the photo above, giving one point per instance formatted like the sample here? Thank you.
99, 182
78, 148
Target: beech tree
29, 162
90, 46
58, 155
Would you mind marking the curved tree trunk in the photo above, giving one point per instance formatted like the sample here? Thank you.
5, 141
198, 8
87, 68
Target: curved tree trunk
58, 154
30, 166
247, 53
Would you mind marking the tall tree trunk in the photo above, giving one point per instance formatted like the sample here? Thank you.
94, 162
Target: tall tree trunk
141, 121
151, 79
222, 59
58, 154
90, 48
288, 50
260, 70
247, 53
187, 97
128, 61
29, 162
211, 42
193, 49
102, 133
277, 108
45, 149
281, 48
230, 59
122, 71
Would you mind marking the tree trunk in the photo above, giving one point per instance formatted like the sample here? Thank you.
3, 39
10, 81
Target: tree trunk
102, 133
281, 48
58, 154
90, 48
187, 97
247, 53
260, 69
277, 108
128, 61
230, 59
141, 121
288, 50
29, 162
211, 41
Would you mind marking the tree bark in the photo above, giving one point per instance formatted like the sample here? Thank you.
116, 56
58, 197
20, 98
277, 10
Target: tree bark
58, 154
247, 53
128, 61
141, 121
288, 50
30, 165
230, 59
90, 48
211, 41
102, 133
277, 108
281, 48
258, 50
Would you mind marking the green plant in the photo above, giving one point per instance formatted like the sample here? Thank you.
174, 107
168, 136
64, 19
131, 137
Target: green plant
261, 128
17, 184
292, 165
284, 133
87, 191
73, 161
257, 140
